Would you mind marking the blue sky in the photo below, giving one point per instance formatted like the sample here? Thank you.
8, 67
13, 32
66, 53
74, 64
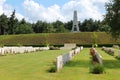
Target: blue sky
52, 10
46, 3
17, 4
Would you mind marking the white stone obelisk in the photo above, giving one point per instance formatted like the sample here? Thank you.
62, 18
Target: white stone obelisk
75, 27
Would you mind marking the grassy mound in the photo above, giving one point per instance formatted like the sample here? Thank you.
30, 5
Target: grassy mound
82, 38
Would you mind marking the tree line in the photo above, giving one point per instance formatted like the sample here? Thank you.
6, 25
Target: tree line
110, 23
11, 25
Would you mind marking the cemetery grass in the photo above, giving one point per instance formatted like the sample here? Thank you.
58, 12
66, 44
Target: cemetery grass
34, 66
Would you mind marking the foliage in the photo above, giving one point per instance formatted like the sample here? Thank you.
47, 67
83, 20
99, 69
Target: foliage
97, 69
11, 25
112, 17
3, 24
23, 28
52, 70
83, 38
12, 22
90, 25
95, 45
61, 29
69, 25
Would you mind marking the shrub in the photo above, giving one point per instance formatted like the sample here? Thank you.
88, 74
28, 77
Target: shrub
94, 45
82, 38
97, 69
52, 70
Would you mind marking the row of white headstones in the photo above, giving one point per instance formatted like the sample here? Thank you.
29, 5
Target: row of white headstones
15, 50
112, 49
61, 60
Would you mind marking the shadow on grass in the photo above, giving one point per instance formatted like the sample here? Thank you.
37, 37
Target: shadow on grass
111, 64
78, 63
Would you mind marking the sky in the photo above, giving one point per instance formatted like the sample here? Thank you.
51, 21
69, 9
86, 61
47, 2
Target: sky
52, 10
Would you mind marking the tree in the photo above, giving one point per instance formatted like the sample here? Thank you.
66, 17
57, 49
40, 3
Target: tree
50, 28
41, 27
12, 23
69, 25
23, 28
3, 24
112, 17
61, 29
57, 24
87, 25
38, 28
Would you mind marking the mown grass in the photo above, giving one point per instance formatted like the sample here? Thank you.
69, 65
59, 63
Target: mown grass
34, 66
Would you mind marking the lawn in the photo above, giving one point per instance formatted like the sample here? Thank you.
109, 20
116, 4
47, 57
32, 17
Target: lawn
34, 66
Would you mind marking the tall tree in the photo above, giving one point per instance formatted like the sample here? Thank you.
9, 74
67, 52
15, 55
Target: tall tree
12, 23
112, 17
3, 24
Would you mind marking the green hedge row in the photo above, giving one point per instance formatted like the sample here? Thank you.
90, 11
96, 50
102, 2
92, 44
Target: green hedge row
82, 38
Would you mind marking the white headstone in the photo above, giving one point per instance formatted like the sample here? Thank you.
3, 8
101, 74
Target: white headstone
59, 63
99, 57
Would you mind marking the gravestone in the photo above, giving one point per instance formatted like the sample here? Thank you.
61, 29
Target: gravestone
65, 58
99, 57
75, 27
68, 46
96, 57
59, 63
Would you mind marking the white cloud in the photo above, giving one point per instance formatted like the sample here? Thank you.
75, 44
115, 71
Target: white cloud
34, 11
7, 10
86, 9
19, 16
1, 6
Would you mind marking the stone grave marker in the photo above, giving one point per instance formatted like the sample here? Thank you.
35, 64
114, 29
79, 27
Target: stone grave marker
68, 46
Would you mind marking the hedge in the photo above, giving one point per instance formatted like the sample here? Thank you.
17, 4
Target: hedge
82, 38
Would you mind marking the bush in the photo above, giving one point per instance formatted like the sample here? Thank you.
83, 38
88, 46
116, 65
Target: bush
52, 70
97, 69
94, 45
